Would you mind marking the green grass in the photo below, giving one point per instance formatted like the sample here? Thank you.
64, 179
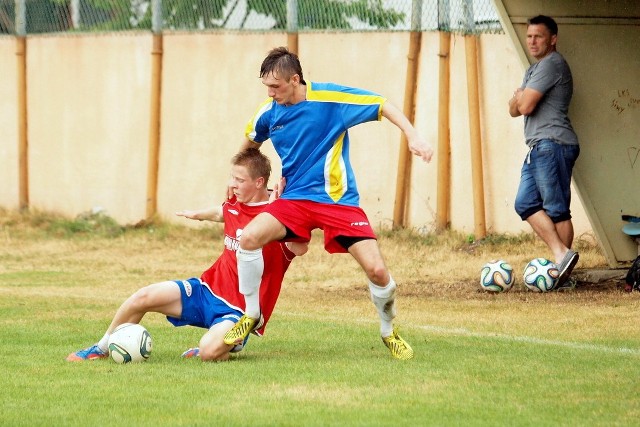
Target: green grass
306, 372
516, 359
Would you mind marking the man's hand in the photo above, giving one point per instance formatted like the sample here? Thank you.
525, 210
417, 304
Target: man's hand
421, 148
513, 103
278, 189
418, 146
189, 214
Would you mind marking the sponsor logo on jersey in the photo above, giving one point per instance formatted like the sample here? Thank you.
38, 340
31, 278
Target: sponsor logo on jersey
359, 224
233, 243
233, 211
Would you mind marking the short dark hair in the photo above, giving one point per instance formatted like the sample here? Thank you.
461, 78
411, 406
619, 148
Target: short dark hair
257, 164
547, 21
282, 62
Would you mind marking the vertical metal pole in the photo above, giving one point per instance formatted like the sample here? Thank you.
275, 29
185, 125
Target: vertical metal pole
444, 146
292, 26
155, 111
23, 140
477, 178
75, 14
403, 177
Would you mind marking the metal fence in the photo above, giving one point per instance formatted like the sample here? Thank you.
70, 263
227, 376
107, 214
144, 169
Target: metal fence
23, 17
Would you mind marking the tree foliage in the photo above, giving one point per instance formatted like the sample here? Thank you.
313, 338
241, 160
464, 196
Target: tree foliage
118, 15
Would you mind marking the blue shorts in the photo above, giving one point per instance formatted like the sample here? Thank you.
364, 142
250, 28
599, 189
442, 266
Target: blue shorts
545, 181
202, 308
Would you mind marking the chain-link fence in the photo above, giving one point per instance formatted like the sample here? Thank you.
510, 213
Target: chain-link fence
24, 17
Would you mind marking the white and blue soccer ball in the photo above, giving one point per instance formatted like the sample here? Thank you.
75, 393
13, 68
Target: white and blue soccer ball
496, 276
130, 343
540, 275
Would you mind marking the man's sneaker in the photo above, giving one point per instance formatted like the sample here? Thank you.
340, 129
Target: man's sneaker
569, 285
566, 267
192, 352
399, 348
240, 330
90, 353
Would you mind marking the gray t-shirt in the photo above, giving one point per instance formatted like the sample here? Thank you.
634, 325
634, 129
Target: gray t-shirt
552, 77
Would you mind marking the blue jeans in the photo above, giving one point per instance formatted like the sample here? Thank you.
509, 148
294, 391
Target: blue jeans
545, 181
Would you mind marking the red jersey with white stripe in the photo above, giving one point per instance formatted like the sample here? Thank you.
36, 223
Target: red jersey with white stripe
222, 276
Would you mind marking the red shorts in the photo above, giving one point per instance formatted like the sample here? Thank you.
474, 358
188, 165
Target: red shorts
303, 216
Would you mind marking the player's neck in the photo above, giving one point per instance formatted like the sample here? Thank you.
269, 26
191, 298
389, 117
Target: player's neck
549, 52
259, 197
300, 94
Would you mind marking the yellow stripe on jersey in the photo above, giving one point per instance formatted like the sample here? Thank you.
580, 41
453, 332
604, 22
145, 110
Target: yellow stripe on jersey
343, 97
334, 171
250, 129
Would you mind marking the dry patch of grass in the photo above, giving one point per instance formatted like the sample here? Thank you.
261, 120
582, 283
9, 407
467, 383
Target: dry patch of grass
437, 276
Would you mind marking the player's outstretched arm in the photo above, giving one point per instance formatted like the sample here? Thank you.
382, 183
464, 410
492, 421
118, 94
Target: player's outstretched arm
208, 214
417, 145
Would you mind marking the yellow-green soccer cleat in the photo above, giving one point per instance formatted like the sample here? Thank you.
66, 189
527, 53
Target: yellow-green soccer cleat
398, 347
240, 330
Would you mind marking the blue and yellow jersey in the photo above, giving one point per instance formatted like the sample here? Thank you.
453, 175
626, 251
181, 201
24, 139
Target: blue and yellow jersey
312, 140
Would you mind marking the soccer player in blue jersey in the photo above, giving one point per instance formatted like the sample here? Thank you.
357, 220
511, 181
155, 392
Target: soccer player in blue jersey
308, 125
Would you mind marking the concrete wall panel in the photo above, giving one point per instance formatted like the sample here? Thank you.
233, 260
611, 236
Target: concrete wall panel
8, 124
89, 124
89, 99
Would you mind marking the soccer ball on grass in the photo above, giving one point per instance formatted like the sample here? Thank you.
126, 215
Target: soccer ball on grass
496, 276
540, 275
129, 342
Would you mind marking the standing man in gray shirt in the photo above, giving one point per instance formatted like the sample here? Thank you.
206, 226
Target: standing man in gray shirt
544, 194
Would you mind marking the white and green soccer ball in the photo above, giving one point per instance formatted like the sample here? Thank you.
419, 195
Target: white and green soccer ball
130, 343
540, 275
496, 276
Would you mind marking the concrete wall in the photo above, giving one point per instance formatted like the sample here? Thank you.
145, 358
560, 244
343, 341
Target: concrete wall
89, 99
8, 124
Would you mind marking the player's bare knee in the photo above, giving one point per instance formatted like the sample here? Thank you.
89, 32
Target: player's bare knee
141, 299
378, 274
214, 353
249, 241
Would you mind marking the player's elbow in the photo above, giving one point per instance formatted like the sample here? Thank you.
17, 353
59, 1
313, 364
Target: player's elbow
526, 109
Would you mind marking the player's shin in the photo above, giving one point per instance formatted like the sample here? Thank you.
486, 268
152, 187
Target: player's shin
250, 269
384, 298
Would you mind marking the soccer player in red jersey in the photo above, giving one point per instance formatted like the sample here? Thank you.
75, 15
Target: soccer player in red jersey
213, 301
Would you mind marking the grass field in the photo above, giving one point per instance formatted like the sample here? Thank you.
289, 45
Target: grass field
517, 359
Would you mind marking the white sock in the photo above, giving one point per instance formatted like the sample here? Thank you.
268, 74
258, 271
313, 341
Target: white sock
250, 269
103, 344
384, 298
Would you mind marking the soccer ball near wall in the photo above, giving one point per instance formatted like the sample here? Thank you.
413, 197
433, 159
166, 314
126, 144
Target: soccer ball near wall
130, 342
540, 275
496, 276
